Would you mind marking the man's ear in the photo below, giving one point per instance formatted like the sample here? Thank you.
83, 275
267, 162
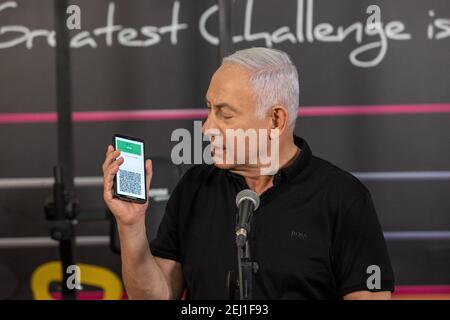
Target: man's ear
279, 118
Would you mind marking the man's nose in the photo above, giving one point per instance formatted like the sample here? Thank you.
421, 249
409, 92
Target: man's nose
210, 129
207, 125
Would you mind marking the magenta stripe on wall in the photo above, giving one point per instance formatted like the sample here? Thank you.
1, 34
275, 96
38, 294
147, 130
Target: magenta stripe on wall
426, 289
183, 114
410, 290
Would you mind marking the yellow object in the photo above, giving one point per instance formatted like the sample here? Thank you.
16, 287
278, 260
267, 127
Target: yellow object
91, 275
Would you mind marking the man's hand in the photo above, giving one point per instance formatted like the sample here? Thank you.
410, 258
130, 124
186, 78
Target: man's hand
144, 276
126, 213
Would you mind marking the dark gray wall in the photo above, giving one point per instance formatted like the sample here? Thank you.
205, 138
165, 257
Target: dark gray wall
176, 76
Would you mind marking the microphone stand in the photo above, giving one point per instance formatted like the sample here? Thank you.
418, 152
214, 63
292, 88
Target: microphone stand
247, 268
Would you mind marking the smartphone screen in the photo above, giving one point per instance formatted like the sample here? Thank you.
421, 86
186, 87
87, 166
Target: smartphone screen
129, 182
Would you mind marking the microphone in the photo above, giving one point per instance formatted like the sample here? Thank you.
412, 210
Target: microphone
247, 201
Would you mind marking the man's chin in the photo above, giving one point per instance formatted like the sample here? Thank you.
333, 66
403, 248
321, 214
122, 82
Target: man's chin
223, 166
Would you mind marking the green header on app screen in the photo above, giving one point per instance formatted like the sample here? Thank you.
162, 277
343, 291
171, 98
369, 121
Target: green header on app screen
129, 147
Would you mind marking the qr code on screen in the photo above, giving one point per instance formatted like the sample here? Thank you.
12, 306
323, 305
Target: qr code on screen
130, 182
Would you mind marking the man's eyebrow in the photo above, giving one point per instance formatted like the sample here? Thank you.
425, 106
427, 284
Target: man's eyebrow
221, 105
226, 105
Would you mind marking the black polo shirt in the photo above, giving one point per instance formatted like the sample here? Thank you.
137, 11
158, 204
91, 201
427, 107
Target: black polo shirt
313, 236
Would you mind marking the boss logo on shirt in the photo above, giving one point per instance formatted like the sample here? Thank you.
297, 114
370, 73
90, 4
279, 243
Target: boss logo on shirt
299, 235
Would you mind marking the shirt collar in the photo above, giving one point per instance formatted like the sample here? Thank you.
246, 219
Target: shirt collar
286, 173
300, 162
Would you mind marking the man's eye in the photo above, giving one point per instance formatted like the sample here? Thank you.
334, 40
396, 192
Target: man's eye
225, 114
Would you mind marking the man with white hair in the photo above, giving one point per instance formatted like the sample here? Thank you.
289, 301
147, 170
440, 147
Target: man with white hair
315, 234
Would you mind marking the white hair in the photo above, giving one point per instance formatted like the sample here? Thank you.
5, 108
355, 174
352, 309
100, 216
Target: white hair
274, 79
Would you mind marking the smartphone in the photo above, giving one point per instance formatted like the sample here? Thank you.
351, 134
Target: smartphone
130, 180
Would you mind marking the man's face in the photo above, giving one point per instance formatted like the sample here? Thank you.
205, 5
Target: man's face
232, 105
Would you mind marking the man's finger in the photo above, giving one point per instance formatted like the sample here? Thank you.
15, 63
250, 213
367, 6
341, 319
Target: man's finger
110, 158
115, 165
111, 171
107, 186
109, 149
149, 171
108, 177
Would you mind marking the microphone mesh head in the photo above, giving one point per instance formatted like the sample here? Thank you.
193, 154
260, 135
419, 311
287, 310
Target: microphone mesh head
247, 194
